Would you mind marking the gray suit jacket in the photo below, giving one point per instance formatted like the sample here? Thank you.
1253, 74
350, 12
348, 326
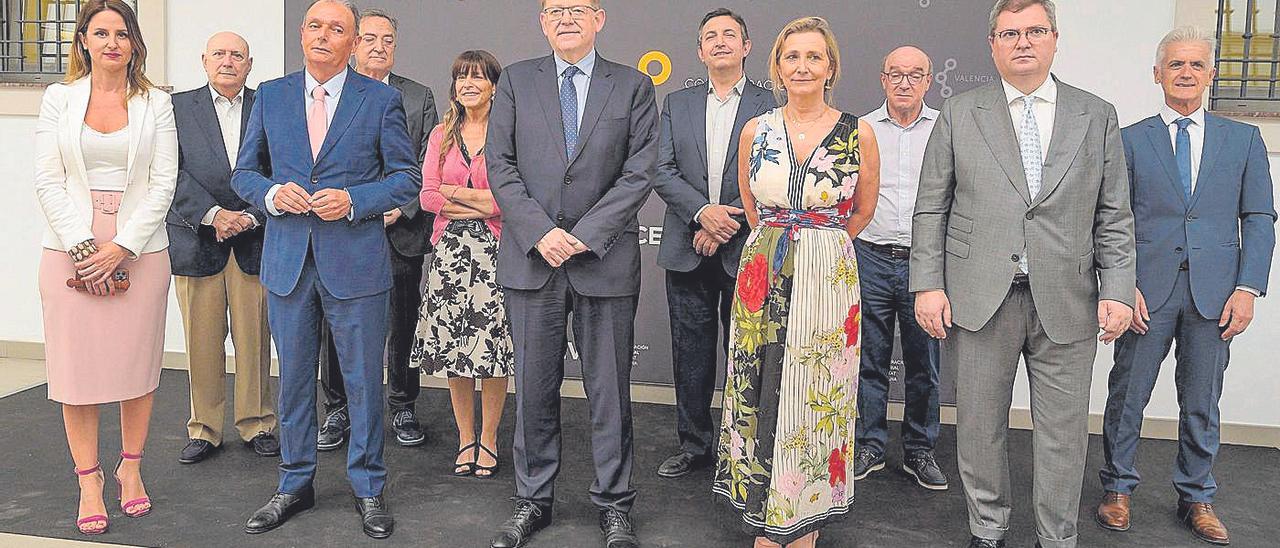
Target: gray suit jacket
682, 173
411, 235
974, 215
595, 195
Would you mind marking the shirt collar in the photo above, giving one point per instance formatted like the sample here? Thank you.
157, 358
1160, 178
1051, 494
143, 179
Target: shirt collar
387, 79
586, 64
737, 87
333, 87
239, 98
882, 115
1168, 115
1047, 92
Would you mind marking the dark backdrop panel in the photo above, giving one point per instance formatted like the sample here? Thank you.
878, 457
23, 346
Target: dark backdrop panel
433, 32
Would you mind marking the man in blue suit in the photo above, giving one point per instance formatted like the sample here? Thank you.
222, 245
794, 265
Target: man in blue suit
325, 257
1202, 204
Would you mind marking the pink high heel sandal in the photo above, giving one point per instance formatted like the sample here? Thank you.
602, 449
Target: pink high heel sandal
130, 508
82, 523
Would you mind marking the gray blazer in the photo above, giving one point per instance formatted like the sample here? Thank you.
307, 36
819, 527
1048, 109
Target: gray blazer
411, 235
595, 195
974, 215
682, 173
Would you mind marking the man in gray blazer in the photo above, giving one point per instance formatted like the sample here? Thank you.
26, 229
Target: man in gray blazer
704, 230
1203, 206
570, 178
1023, 247
409, 232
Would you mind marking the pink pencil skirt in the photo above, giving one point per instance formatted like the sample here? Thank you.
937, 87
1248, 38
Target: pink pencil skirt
104, 349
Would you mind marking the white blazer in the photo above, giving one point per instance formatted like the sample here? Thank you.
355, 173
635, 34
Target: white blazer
62, 187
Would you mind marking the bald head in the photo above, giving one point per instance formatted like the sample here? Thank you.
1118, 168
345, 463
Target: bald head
905, 79
908, 55
227, 62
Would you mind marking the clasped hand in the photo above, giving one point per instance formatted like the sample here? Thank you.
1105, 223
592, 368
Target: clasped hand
329, 204
558, 245
717, 220
97, 269
228, 224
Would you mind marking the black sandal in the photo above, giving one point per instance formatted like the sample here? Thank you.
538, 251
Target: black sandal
489, 471
461, 469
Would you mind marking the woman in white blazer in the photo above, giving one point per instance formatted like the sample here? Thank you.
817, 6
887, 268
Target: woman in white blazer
106, 167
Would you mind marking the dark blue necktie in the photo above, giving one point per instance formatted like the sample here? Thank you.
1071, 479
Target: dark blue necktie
1182, 153
569, 109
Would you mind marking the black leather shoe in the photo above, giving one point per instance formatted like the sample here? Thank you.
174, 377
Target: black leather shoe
333, 433
682, 463
265, 444
278, 510
196, 451
375, 518
408, 431
617, 529
979, 542
528, 518
922, 466
866, 461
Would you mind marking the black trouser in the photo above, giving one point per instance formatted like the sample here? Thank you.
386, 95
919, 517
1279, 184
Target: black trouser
402, 382
699, 303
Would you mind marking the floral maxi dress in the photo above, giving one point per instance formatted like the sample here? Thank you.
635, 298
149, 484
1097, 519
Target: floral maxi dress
790, 396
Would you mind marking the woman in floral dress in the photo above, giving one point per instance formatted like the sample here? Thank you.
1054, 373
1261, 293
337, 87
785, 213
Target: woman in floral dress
809, 182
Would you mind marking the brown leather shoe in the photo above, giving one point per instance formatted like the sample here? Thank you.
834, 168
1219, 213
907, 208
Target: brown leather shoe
1204, 524
1113, 511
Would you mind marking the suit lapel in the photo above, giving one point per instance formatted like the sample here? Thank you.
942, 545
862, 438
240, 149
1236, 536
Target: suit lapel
1070, 124
549, 96
698, 116
1158, 134
598, 90
77, 106
747, 109
246, 107
348, 105
992, 117
211, 125
138, 106
1214, 133
296, 116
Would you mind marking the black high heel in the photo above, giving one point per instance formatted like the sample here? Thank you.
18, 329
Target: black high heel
465, 468
489, 471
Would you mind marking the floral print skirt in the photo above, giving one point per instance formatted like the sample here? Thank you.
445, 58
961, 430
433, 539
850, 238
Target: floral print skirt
785, 455
462, 325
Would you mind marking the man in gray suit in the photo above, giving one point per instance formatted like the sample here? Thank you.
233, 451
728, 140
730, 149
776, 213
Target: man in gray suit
1202, 202
409, 232
704, 228
1023, 236
570, 178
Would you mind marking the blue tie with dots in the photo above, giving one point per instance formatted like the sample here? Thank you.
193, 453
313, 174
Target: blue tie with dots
1182, 153
569, 109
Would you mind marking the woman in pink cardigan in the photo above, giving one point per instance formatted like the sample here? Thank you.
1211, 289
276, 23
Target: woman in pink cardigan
463, 332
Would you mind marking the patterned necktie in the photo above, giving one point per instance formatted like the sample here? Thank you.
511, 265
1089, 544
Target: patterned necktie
569, 109
317, 121
1029, 142
1182, 153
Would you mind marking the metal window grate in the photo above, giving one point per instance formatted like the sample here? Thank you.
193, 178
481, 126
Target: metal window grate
35, 38
1247, 57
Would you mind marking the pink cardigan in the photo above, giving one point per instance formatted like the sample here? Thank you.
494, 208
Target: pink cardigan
455, 172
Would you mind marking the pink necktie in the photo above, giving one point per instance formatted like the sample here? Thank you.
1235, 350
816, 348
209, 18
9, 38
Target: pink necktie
317, 121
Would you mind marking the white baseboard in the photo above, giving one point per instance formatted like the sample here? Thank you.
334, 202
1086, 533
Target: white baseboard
1258, 435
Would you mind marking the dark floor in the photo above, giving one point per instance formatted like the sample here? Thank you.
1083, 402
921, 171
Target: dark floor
206, 504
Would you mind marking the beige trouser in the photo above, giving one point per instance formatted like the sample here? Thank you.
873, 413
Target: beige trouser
205, 303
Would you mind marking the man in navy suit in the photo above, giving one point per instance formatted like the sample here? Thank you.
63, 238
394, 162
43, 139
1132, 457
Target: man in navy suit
1202, 205
703, 230
325, 257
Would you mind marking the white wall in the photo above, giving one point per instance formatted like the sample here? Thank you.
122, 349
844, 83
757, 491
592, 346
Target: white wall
1106, 47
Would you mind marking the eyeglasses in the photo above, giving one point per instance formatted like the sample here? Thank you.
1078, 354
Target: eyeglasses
1033, 34
577, 13
913, 78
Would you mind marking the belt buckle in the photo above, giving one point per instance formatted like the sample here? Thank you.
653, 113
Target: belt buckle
107, 207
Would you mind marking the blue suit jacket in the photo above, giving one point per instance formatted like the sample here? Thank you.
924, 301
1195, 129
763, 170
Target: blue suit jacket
366, 151
1225, 232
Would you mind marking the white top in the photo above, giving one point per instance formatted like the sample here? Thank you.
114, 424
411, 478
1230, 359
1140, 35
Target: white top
1046, 99
106, 158
901, 157
229, 115
1196, 129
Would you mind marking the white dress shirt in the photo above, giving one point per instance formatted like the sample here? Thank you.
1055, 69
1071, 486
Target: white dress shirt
901, 157
581, 80
106, 158
1196, 129
721, 115
229, 113
333, 94
1046, 99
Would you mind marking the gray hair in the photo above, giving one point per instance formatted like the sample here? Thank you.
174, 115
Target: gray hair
349, 4
1186, 33
379, 12
1016, 6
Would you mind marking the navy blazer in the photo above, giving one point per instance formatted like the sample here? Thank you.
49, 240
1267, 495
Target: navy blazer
682, 173
204, 181
366, 151
1225, 233
595, 195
